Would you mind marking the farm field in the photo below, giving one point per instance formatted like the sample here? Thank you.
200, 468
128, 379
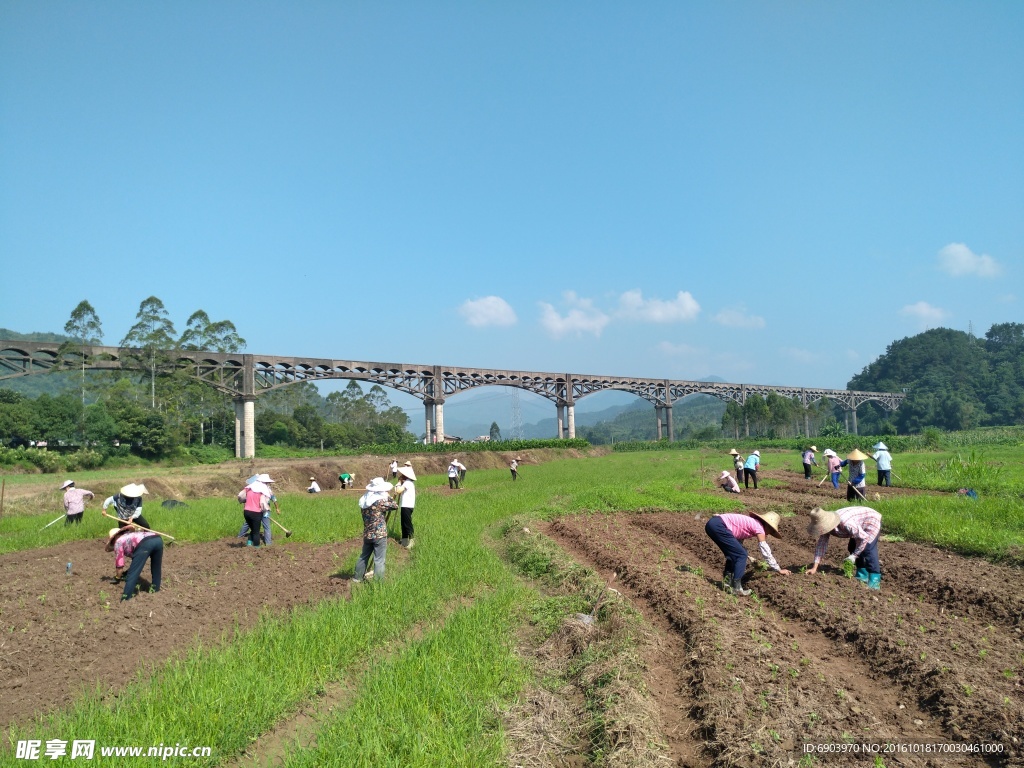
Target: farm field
276, 657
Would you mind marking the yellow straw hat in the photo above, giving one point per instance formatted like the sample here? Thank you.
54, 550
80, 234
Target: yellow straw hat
856, 455
822, 522
770, 521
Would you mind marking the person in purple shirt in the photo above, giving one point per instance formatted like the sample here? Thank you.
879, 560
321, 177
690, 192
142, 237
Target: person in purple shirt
729, 531
74, 502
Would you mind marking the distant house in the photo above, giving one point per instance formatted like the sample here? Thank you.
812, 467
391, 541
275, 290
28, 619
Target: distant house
452, 439
481, 439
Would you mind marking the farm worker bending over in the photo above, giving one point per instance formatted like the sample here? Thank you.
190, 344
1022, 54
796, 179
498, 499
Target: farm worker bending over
883, 459
346, 479
74, 502
374, 505
808, 460
256, 496
856, 478
407, 491
454, 470
861, 525
314, 486
139, 546
834, 464
728, 482
728, 531
128, 505
737, 463
750, 467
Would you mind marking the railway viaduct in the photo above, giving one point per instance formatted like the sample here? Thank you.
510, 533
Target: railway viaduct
245, 376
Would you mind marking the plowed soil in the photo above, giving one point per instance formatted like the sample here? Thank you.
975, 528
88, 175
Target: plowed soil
63, 633
935, 657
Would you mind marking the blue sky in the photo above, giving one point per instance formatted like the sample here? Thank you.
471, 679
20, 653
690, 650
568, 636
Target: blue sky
765, 192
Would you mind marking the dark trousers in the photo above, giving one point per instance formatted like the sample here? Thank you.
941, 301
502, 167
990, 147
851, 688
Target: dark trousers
77, 519
739, 475
514, 474
807, 471
735, 553
407, 522
883, 477
140, 520
150, 548
453, 482
853, 493
254, 520
748, 475
868, 558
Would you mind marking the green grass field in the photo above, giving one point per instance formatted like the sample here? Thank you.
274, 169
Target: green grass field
429, 655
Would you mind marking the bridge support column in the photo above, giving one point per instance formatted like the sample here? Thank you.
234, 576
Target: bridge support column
807, 423
671, 429
428, 436
245, 427
560, 419
571, 409
439, 419
657, 420
854, 410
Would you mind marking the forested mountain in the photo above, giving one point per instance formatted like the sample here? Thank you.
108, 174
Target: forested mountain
953, 380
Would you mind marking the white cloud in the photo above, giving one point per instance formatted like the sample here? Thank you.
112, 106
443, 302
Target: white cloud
633, 306
925, 313
958, 260
797, 355
490, 310
582, 317
738, 318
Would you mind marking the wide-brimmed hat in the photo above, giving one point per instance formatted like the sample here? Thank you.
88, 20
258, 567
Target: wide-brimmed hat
66, 484
380, 485
770, 521
733, 452
856, 455
408, 472
115, 532
881, 447
264, 478
407, 464
133, 490
822, 521
756, 453
312, 478
814, 448
725, 474
828, 452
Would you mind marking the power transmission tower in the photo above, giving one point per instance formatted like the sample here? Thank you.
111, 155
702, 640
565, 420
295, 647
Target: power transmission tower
517, 416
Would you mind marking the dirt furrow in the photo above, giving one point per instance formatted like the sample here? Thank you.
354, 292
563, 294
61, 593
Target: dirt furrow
965, 672
763, 686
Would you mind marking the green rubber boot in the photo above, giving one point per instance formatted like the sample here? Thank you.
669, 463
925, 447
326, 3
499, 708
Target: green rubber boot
875, 581
862, 575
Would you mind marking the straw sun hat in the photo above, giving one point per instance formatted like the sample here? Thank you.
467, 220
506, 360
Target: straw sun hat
734, 452
822, 522
856, 455
66, 484
114, 533
770, 521
380, 485
408, 472
133, 490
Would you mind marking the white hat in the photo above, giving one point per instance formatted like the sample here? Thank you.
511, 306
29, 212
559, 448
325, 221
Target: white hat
881, 447
133, 490
66, 483
407, 471
380, 485
725, 474
265, 478
757, 453
829, 452
312, 478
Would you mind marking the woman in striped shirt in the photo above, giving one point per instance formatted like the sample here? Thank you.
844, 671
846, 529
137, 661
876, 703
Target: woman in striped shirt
862, 526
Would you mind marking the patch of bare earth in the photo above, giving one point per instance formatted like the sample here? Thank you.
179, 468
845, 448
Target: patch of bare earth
935, 657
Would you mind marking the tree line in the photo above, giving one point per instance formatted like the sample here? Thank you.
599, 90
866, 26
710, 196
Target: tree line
160, 409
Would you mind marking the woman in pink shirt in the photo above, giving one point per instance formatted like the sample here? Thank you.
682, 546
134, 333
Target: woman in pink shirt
729, 531
140, 546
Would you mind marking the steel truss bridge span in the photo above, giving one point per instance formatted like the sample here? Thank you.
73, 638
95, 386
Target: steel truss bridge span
246, 376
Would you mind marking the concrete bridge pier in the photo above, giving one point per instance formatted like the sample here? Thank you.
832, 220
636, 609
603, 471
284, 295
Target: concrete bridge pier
658, 420
245, 427
571, 414
434, 410
560, 418
671, 429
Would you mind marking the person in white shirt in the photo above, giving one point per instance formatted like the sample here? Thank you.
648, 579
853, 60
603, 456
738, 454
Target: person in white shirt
314, 487
407, 503
453, 473
514, 466
728, 482
393, 468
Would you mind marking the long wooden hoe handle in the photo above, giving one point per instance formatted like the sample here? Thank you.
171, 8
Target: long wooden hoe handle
140, 527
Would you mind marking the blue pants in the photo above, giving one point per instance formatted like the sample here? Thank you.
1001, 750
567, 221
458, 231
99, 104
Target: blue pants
151, 548
734, 551
883, 477
379, 549
868, 558
266, 529
835, 480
